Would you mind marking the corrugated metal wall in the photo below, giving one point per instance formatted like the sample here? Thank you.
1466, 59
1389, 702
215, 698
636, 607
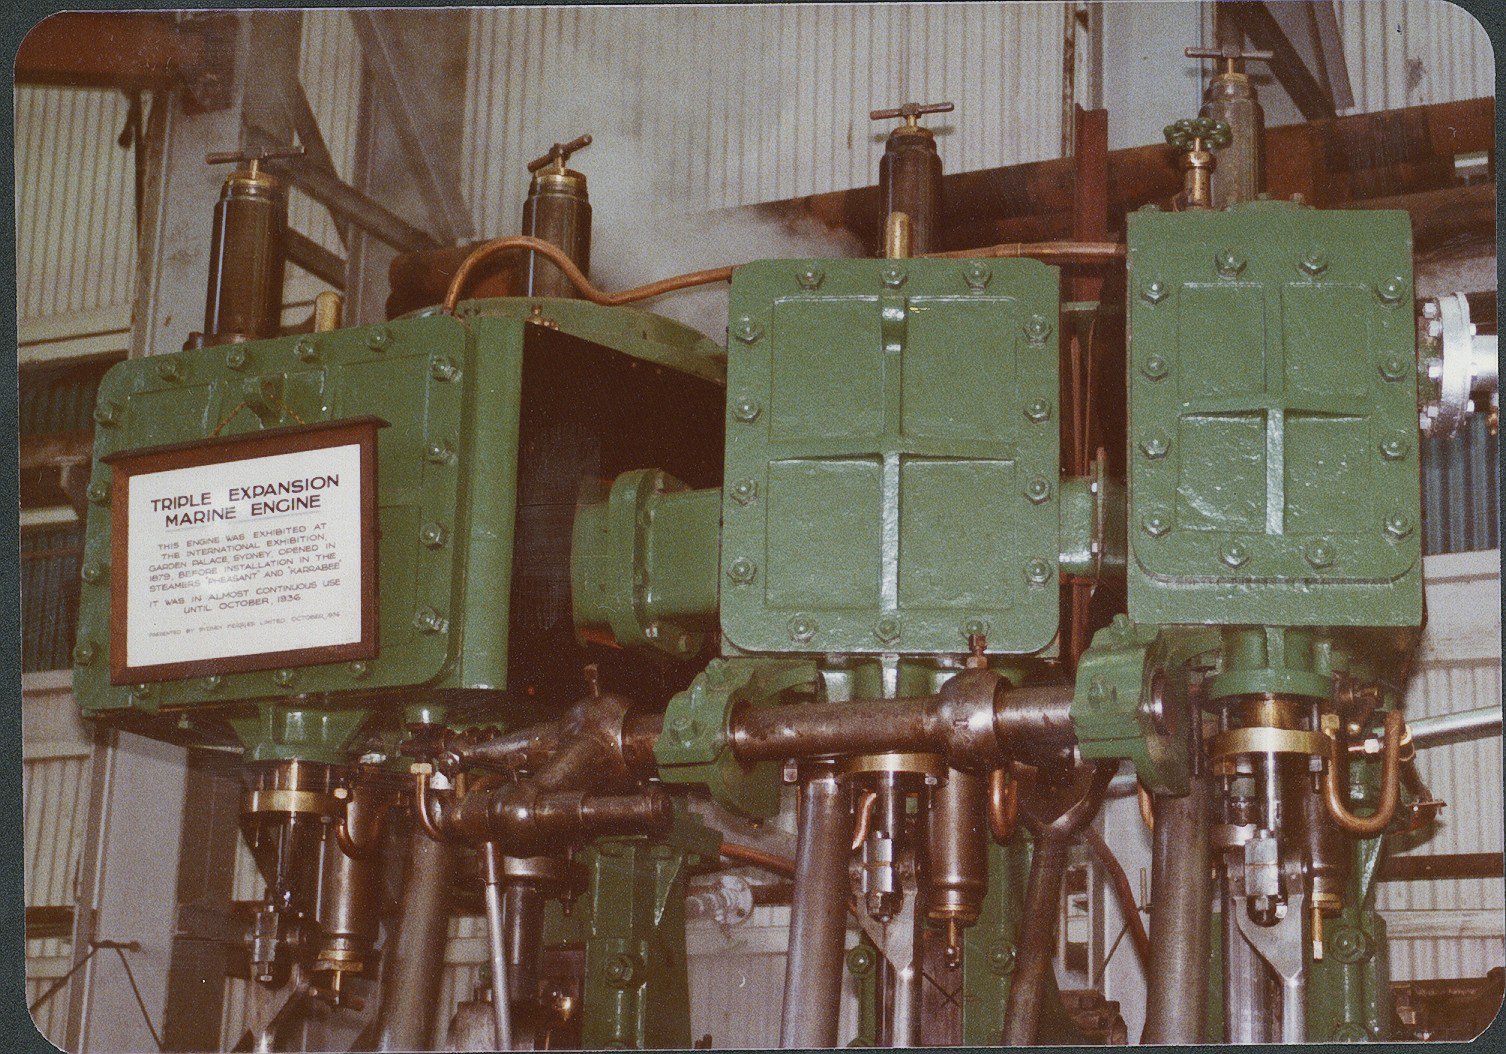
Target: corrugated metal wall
1461, 490
1413, 52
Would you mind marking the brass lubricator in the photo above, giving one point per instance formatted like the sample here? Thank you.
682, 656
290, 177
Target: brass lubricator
910, 176
557, 210
1231, 99
247, 251
1196, 137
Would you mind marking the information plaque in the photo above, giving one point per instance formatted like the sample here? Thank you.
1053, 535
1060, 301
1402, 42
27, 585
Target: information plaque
248, 553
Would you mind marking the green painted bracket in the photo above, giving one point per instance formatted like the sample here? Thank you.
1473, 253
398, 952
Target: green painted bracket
694, 746
1092, 524
298, 733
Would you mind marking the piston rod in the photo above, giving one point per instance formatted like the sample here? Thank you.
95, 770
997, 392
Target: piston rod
818, 913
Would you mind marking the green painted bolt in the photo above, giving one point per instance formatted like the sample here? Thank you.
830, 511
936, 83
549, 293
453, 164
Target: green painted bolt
744, 491
802, 628
1398, 525
887, 629
1348, 945
84, 653
893, 277
1001, 957
1153, 290
438, 452
1038, 572
860, 960
1234, 554
1037, 329
621, 971
1391, 290
434, 535
1155, 367
443, 368
1393, 367
810, 277
427, 620
379, 339
1319, 555
213, 683
1314, 263
742, 570
1228, 263
92, 572
1350, 1032
141, 691
236, 358
98, 492
1155, 446
747, 330
746, 411
306, 350
975, 627
1154, 524
285, 678
107, 413
1038, 490
1038, 410
1394, 448
169, 368
977, 275
680, 727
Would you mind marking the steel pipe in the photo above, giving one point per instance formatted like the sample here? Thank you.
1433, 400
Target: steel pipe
1048, 866
1181, 892
818, 914
1430, 730
491, 892
415, 960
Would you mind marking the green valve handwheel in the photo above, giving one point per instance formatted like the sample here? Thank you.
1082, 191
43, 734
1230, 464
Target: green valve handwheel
1184, 132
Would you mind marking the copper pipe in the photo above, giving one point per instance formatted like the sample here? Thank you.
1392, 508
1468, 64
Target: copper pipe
865, 815
1003, 804
1336, 784
1122, 891
746, 854
556, 256
348, 845
421, 806
1050, 252
1147, 814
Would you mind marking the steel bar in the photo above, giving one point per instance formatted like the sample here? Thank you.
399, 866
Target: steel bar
1428, 731
818, 914
1048, 866
1439, 865
1181, 894
415, 961
491, 892
349, 203
1246, 983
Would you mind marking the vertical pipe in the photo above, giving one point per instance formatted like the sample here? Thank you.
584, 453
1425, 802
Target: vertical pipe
523, 917
1048, 866
1181, 893
491, 891
818, 914
415, 966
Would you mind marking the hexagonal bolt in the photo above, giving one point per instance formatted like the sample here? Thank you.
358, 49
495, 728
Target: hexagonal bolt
802, 628
810, 277
1234, 554
108, 413
887, 629
1228, 263
621, 971
1391, 290
975, 627
358, 670
1038, 572
1155, 367
1038, 410
1037, 329
744, 491
306, 350
93, 572
285, 678
1430, 309
1314, 263
443, 368
1393, 367
427, 620
746, 410
98, 492
434, 535
860, 961
1155, 446
1394, 448
379, 339
1155, 524
1153, 291
1038, 490
893, 277
213, 683
1319, 555
169, 368
977, 275
438, 452
236, 358
1001, 958
747, 330
742, 571
84, 653
1398, 525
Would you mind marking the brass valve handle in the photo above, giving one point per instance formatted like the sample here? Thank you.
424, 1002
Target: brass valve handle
559, 153
1188, 132
1229, 54
911, 111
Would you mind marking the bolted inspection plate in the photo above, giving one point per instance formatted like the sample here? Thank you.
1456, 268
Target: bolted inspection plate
1269, 445
904, 412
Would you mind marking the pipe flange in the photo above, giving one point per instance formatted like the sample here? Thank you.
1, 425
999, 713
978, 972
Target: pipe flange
930, 766
291, 802
1268, 740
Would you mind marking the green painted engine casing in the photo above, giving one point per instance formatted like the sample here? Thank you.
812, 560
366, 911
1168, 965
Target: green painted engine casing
892, 457
1273, 454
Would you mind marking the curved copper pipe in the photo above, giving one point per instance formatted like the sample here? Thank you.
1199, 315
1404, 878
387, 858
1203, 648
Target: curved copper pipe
1003, 804
779, 865
1147, 814
556, 256
1336, 784
349, 845
1063, 251
421, 807
1122, 891
865, 816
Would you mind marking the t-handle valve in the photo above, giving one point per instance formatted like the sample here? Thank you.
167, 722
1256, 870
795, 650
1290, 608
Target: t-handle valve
911, 112
1230, 54
559, 153
254, 155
